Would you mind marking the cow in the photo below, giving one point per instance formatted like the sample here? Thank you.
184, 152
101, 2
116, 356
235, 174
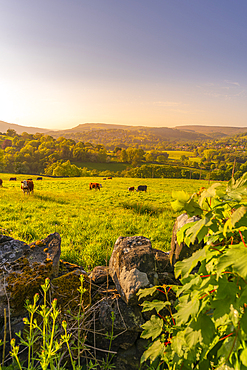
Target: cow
104, 178
39, 178
94, 185
132, 188
12, 179
109, 178
27, 186
142, 188
1, 182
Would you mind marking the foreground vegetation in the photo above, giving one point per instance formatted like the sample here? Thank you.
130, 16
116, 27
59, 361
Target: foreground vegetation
90, 221
208, 328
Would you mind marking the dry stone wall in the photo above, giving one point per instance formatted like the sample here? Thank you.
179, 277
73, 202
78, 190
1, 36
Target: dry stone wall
134, 264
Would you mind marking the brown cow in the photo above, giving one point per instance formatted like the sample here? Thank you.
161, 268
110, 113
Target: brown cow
132, 188
109, 178
1, 182
94, 185
27, 186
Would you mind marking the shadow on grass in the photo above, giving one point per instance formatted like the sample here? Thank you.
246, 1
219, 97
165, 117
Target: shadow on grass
48, 198
142, 209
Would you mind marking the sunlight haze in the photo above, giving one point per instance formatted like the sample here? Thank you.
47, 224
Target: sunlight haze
150, 63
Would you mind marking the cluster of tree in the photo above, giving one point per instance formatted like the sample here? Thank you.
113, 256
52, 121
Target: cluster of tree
38, 153
29, 153
43, 154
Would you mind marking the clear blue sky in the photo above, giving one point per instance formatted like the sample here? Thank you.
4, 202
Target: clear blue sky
134, 62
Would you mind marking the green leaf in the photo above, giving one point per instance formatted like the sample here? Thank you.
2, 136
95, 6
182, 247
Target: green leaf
181, 195
184, 267
209, 193
192, 337
236, 257
243, 357
185, 311
156, 350
243, 322
235, 217
152, 328
177, 206
147, 291
155, 304
243, 297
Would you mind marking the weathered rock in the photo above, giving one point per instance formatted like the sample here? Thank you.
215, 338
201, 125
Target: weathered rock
23, 268
132, 266
100, 275
130, 359
126, 324
182, 251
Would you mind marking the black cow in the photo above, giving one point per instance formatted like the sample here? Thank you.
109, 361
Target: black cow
142, 188
39, 178
12, 179
1, 182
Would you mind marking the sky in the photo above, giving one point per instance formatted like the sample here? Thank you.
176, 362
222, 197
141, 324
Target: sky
133, 62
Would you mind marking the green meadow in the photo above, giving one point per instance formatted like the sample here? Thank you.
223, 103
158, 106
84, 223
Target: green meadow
90, 221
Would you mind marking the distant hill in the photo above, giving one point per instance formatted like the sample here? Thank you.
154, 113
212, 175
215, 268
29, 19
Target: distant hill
213, 131
4, 126
89, 131
95, 132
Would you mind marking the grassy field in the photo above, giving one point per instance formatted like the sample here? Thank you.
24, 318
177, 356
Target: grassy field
111, 166
90, 221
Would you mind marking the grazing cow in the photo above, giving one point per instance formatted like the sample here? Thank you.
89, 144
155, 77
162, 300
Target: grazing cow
1, 182
94, 185
29, 179
39, 178
27, 186
132, 188
104, 178
109, 178
12, 179
142, 188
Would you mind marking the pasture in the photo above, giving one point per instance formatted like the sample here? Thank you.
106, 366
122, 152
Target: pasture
90, 221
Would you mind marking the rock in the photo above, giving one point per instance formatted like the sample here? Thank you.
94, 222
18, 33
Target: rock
130, 359
135, 265
126, 325
132, 266
24, 268
182, 251
100, 275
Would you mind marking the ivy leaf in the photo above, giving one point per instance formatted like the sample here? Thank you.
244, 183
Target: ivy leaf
155, 304
184, 267
156, 350
152, 328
